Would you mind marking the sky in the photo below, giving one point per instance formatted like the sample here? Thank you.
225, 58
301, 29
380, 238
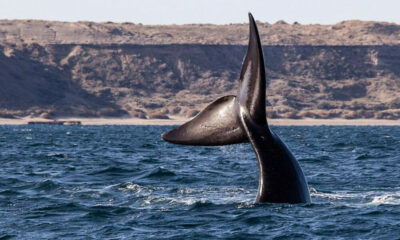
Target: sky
202, 11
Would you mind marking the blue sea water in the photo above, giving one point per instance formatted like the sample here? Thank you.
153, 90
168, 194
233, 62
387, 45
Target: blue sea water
124, 182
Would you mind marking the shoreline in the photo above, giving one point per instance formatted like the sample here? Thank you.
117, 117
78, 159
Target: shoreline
179, 121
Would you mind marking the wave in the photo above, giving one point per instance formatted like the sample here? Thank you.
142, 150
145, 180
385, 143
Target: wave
200, 197
151, 196
387, 199
7, 236
359, 199
58, 155
111, 170
161, 172
46, 185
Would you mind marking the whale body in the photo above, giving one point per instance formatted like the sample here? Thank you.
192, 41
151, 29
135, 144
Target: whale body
242, 118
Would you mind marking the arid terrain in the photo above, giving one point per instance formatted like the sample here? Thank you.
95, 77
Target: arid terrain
60, 69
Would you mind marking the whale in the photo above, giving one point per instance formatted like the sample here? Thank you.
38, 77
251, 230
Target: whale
241, 118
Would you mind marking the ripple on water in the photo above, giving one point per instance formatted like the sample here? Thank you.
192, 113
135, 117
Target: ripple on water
7, 236
111, 171
161, 172
58, 155
46, 185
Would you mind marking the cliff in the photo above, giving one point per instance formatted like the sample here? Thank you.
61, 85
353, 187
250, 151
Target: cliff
52, 69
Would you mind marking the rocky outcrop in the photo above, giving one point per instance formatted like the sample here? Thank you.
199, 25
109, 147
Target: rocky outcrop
54, 69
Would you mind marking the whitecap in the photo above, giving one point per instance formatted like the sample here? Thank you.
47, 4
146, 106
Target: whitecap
335, 196
130, 187
191, 196
360, 199
386, 199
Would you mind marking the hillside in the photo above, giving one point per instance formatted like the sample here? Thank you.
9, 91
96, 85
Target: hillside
53, 69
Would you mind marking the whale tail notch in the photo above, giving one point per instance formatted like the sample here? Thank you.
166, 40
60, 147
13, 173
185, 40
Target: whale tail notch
219, 123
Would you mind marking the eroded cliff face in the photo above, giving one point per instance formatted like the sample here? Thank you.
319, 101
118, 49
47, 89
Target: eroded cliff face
118, 78
346, 33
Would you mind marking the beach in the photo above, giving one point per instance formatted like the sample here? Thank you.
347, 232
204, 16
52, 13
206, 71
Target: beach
180, 120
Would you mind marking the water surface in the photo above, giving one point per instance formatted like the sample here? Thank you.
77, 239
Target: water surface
124, 182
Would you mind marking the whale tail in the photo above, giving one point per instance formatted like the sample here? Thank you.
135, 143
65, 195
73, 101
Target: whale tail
219, 123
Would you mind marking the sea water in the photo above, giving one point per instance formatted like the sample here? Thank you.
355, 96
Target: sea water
125, 182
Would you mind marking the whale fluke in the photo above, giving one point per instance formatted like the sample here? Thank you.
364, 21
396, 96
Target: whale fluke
242, 118
251, 93
217, 124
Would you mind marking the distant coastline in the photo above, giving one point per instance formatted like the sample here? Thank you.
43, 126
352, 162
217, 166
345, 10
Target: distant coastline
178, 121
349, 70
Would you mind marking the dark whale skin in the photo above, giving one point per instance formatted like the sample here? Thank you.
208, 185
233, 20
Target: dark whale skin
242, 118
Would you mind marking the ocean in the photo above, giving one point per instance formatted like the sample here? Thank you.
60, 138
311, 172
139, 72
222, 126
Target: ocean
125, 182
